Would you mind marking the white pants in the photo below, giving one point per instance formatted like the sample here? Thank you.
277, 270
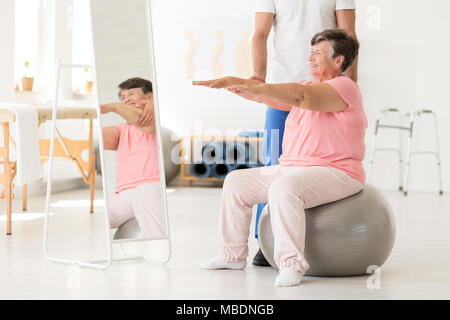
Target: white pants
289, 190
142, 203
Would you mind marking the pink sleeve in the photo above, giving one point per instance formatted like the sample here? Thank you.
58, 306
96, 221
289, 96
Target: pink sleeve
347, 90
120, 127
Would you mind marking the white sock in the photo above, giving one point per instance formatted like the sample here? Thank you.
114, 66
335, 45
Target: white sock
288, 277
217, 263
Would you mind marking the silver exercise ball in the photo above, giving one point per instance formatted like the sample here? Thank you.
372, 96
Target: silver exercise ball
170, 142
128, 230
343, 238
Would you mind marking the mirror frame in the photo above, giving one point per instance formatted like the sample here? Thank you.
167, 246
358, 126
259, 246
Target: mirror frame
104, 264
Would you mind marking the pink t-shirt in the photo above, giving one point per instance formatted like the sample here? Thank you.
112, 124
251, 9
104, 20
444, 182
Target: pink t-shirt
136, 157
328, 139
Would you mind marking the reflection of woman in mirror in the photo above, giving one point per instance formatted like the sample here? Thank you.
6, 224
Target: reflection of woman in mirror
323, 149
138, 190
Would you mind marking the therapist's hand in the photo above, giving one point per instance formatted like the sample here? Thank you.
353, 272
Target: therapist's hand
215, 83
147, 118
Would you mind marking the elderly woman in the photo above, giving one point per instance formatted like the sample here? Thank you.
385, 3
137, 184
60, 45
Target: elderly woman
323, 149
138, 187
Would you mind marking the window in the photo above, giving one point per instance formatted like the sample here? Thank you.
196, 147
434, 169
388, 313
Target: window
35, 41
26, 39
81, 45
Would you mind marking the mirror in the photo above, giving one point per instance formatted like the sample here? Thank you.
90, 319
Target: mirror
133, 170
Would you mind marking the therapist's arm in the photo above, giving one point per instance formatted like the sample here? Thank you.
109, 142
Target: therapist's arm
346, 20
263, 25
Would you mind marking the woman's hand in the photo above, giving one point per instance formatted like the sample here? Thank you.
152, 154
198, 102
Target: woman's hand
147, 117
249, 92
215, 83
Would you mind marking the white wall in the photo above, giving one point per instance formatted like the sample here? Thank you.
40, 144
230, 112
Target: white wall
183, 106
403, 64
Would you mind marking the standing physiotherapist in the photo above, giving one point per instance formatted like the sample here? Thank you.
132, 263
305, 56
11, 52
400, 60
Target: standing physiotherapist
294, 23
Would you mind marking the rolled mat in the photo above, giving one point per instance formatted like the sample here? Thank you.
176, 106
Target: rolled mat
241, 152
237, 152
201, 170
214, 152
221, 170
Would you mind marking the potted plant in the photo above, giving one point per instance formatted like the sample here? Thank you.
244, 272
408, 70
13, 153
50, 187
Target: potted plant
27, 82
89, 82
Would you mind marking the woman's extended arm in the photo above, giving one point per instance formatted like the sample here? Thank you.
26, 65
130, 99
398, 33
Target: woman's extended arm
318, 97
226, 82
130, 113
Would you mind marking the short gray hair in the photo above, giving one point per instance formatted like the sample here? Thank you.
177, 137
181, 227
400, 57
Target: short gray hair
341, 45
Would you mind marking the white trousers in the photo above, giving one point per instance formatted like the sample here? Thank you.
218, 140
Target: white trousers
288, 190
142, 203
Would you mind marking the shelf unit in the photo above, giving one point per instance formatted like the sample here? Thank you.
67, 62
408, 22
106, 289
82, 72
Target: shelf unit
189, 140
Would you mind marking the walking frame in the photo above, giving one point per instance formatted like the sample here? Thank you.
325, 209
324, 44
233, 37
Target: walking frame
404, 179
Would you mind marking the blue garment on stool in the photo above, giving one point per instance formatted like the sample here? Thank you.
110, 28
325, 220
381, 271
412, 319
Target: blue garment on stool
273, 138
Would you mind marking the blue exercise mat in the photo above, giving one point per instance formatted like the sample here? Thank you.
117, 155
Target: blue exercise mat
220, 170
201, 170
214, 152
239, 152
251, 134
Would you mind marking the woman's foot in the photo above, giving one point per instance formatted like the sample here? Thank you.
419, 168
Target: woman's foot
218, 263
288, 277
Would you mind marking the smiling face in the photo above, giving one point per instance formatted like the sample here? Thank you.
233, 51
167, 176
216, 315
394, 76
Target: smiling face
322, 65
133, 96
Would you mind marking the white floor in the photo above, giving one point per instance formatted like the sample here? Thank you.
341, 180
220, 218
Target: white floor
417, 269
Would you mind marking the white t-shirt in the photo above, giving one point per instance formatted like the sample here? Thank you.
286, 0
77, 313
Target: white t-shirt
296, 22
